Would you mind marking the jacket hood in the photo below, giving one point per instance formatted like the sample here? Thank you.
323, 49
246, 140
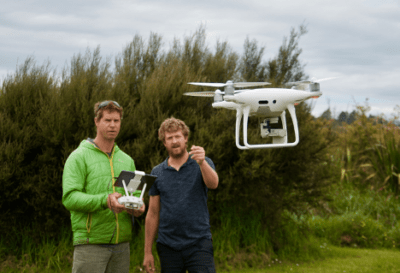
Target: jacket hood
89, 145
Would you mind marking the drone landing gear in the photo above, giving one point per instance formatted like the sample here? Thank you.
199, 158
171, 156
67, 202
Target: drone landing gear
279, 136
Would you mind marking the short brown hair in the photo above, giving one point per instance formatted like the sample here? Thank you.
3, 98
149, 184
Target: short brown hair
98, 113
172, 125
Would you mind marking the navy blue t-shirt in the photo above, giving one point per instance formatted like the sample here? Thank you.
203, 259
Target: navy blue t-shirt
184, 217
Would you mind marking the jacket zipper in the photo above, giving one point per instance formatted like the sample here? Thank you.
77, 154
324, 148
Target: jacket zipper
113, 181
89, 222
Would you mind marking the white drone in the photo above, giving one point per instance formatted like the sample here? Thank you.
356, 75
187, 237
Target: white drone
267, 103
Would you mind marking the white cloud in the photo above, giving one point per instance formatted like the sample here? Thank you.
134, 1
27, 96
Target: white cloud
355, 40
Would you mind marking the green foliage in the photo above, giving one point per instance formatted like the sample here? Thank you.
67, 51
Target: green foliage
385, 158
251, 68
287, 67
22, 100
222, 64
135, 64
46, 255
355, 230
44, 118
337, 259
367, 151
363, 209
274, 180
240, 241
296, 243
358, 217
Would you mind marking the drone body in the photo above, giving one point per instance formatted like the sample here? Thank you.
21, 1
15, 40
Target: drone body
268, 103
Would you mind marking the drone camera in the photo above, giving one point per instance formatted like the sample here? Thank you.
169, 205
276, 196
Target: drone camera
268, 131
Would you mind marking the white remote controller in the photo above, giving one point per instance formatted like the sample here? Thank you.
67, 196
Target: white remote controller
130, 201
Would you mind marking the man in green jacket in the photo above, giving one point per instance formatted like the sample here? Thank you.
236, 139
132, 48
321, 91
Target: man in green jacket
102, 228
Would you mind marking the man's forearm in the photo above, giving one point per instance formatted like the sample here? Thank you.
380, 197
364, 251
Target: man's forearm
151, 228
210, 176
83, 202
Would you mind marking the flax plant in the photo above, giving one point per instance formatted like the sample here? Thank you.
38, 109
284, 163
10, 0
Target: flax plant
384, 158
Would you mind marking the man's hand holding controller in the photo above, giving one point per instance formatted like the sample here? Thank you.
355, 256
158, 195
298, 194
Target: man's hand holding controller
116, 207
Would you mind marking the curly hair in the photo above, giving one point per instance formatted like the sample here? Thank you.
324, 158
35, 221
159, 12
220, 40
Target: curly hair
172, 125
111, 107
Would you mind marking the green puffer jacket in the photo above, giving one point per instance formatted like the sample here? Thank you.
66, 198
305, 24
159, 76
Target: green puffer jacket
88, 179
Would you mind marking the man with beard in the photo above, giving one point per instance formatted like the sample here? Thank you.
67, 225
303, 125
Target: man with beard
178, 205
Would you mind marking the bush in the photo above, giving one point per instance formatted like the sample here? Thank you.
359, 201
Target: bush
44, 118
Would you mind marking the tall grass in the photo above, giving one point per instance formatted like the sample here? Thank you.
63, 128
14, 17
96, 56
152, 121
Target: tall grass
384, 157
364, 209
362, 213
25, 254
358, 218
137, 250
239, 242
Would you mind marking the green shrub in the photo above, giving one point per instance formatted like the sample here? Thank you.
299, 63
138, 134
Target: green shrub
354, 217
351, 229
45, 117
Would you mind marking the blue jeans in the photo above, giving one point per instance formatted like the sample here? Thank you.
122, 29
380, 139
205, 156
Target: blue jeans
198, 258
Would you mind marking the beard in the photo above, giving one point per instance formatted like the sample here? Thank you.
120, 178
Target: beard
175, 153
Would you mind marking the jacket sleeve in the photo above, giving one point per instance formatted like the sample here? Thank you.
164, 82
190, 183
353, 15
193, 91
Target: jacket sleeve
74, 198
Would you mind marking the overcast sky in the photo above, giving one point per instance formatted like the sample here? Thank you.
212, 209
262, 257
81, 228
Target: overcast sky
357, 41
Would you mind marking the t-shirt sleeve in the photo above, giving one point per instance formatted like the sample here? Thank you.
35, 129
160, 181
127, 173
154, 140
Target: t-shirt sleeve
210, 162
154, 189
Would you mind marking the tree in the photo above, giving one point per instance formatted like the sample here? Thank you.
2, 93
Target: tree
352, 117
327, 114
343, 117
286, 67
250, 68
24, 96
221, 65
149, 84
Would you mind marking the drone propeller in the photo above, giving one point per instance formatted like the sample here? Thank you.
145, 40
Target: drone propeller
200, 94
229, 83
313, 80
326, 79
313, 84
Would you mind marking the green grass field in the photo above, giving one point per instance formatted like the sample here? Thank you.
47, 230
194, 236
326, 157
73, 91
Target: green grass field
336, 259
340, 260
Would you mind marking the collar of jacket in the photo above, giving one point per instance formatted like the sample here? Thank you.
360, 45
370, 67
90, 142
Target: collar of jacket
89, 145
